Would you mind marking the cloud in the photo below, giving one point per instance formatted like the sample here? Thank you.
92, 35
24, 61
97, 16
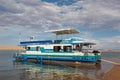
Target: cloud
44, 15
10, 6
29, 16
109, 43
106, 43
29, 2
92, 14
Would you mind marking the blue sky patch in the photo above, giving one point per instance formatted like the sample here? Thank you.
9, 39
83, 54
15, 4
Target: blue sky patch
62, 2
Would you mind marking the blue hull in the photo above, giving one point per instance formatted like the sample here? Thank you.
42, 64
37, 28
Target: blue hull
73, 59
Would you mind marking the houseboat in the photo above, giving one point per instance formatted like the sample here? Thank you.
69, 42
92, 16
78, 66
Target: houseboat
72, 49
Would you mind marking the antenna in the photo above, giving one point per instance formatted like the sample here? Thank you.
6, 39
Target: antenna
19, 36
19, 41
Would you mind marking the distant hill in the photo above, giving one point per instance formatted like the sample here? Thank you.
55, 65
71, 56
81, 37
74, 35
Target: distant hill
22, 48
11, 48
108, 50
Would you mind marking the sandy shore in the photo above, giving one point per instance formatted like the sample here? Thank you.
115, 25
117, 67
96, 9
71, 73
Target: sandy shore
113, 74
11, 48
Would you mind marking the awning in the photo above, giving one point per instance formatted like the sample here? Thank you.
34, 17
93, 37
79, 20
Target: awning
82, 42
64, 31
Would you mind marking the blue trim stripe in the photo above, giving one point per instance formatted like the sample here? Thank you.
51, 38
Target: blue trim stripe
70, 59
81, 59
36, 42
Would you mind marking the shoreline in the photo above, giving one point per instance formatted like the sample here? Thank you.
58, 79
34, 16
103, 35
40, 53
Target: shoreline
115, 51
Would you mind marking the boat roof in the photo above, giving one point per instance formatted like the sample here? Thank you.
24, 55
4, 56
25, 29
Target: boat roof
76, 40
24, 43
64, 31
83, 42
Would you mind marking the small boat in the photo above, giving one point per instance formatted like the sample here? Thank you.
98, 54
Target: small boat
73, 49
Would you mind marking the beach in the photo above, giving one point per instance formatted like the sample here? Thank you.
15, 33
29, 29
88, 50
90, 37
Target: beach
113, 74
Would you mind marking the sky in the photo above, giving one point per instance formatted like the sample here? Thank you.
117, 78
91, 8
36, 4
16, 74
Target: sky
97, 20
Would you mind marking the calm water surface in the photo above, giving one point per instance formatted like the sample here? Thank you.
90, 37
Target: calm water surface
10, 70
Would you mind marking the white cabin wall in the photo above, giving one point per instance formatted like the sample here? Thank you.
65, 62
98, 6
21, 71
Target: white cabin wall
49, 46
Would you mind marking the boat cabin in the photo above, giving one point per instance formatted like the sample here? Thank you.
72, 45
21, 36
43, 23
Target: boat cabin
63, 45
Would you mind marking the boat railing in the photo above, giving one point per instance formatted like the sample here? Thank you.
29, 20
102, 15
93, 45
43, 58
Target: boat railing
57, 41
90, 50
16, 54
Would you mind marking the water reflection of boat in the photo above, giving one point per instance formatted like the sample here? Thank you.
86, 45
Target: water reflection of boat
74, 64
77, 65
59, 72
70, 50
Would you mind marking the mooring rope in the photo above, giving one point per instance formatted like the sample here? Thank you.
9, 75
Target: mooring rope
110, 62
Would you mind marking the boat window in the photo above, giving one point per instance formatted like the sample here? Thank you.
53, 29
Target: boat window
27, 48
37, 48
79, 47
57, 48
67, 48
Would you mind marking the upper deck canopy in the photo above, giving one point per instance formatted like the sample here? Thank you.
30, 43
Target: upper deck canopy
64, 31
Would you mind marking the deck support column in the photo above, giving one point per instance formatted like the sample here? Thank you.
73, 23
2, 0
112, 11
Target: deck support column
37, 59
40, 60
25, 58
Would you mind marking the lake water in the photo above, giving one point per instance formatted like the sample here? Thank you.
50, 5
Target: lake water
10, 70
